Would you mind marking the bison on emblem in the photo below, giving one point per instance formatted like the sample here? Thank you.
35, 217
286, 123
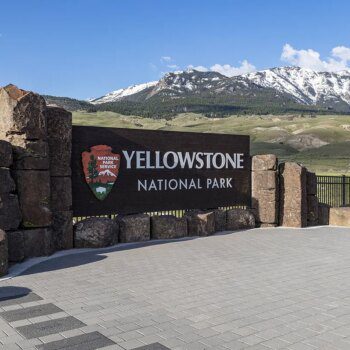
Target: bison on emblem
101, 168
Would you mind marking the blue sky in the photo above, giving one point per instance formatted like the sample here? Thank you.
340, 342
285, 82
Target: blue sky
85, 48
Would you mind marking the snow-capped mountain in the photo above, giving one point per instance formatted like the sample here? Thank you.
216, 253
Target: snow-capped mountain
330, 90
305, 85
106, 172
121, 93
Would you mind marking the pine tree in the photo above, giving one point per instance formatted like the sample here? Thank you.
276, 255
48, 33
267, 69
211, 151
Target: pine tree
92, 168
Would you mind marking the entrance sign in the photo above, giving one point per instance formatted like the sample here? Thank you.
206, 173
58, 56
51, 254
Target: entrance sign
132, 171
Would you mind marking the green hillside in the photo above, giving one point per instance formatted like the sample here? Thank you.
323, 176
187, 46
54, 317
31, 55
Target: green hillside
321, 143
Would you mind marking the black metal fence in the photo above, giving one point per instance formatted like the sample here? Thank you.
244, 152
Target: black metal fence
334, 190
178, 213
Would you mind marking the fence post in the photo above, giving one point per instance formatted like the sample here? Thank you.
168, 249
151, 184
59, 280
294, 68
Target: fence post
343, 191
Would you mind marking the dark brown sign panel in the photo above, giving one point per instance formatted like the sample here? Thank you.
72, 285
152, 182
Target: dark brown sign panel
133, 171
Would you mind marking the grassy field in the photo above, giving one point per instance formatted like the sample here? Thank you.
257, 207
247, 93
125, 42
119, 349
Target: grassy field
321, 143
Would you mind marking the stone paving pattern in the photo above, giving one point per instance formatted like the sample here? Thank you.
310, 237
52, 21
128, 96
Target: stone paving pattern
253, 289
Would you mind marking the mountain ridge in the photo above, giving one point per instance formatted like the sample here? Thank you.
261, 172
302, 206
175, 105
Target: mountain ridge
275, 90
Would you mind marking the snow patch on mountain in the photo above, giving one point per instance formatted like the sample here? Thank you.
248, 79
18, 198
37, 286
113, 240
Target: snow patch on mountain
119, 94
106, 173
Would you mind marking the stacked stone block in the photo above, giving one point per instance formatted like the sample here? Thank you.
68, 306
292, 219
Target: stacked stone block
265, 190
339, 216
23, 125
3, 253
200, 223
59, 129
323, 214
312, 200
134, 228
238, 219
293, 195
220, 220
96, 233
10, 214
168, 227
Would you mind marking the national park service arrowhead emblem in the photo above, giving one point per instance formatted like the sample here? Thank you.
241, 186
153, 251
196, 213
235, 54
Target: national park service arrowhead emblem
101, 168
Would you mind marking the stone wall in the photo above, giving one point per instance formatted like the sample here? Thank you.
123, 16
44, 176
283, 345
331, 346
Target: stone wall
35, 190
10, 213
102, 232
285, 196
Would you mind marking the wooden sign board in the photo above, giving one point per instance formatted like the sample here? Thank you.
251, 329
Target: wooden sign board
133, 171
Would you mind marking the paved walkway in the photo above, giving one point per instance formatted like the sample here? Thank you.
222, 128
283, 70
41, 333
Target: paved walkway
256, 289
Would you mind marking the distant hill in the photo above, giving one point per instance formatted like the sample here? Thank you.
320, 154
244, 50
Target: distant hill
70, 104
274, 91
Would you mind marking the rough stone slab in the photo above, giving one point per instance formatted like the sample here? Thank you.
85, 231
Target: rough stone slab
95, 232
15, 246
7, 185
29, 154
10, 213
38, 242
265, 196
61, 193
295, 200
323, 214
42, 329
22, 112
238, 219
154, 346
293, 176
339, 216
25, 244
265, 206
293, 218
18, 299
62, 229
264, 162
200, 223
6, 158
312, 210
220, 220
3, 253
88, 341
264, 180
134, 228
33, 188
59, 129
311, 181
29, 312
293, 195
168, 226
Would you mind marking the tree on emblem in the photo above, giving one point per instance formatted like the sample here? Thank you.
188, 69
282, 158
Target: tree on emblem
92, 168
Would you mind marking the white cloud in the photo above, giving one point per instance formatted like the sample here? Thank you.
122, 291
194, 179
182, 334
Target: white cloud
173, 66
227, 69
339, 60
341, 52
164, 59
198, 68
231, 71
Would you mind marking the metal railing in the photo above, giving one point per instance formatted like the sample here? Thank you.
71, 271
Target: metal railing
334, 190
178, 213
